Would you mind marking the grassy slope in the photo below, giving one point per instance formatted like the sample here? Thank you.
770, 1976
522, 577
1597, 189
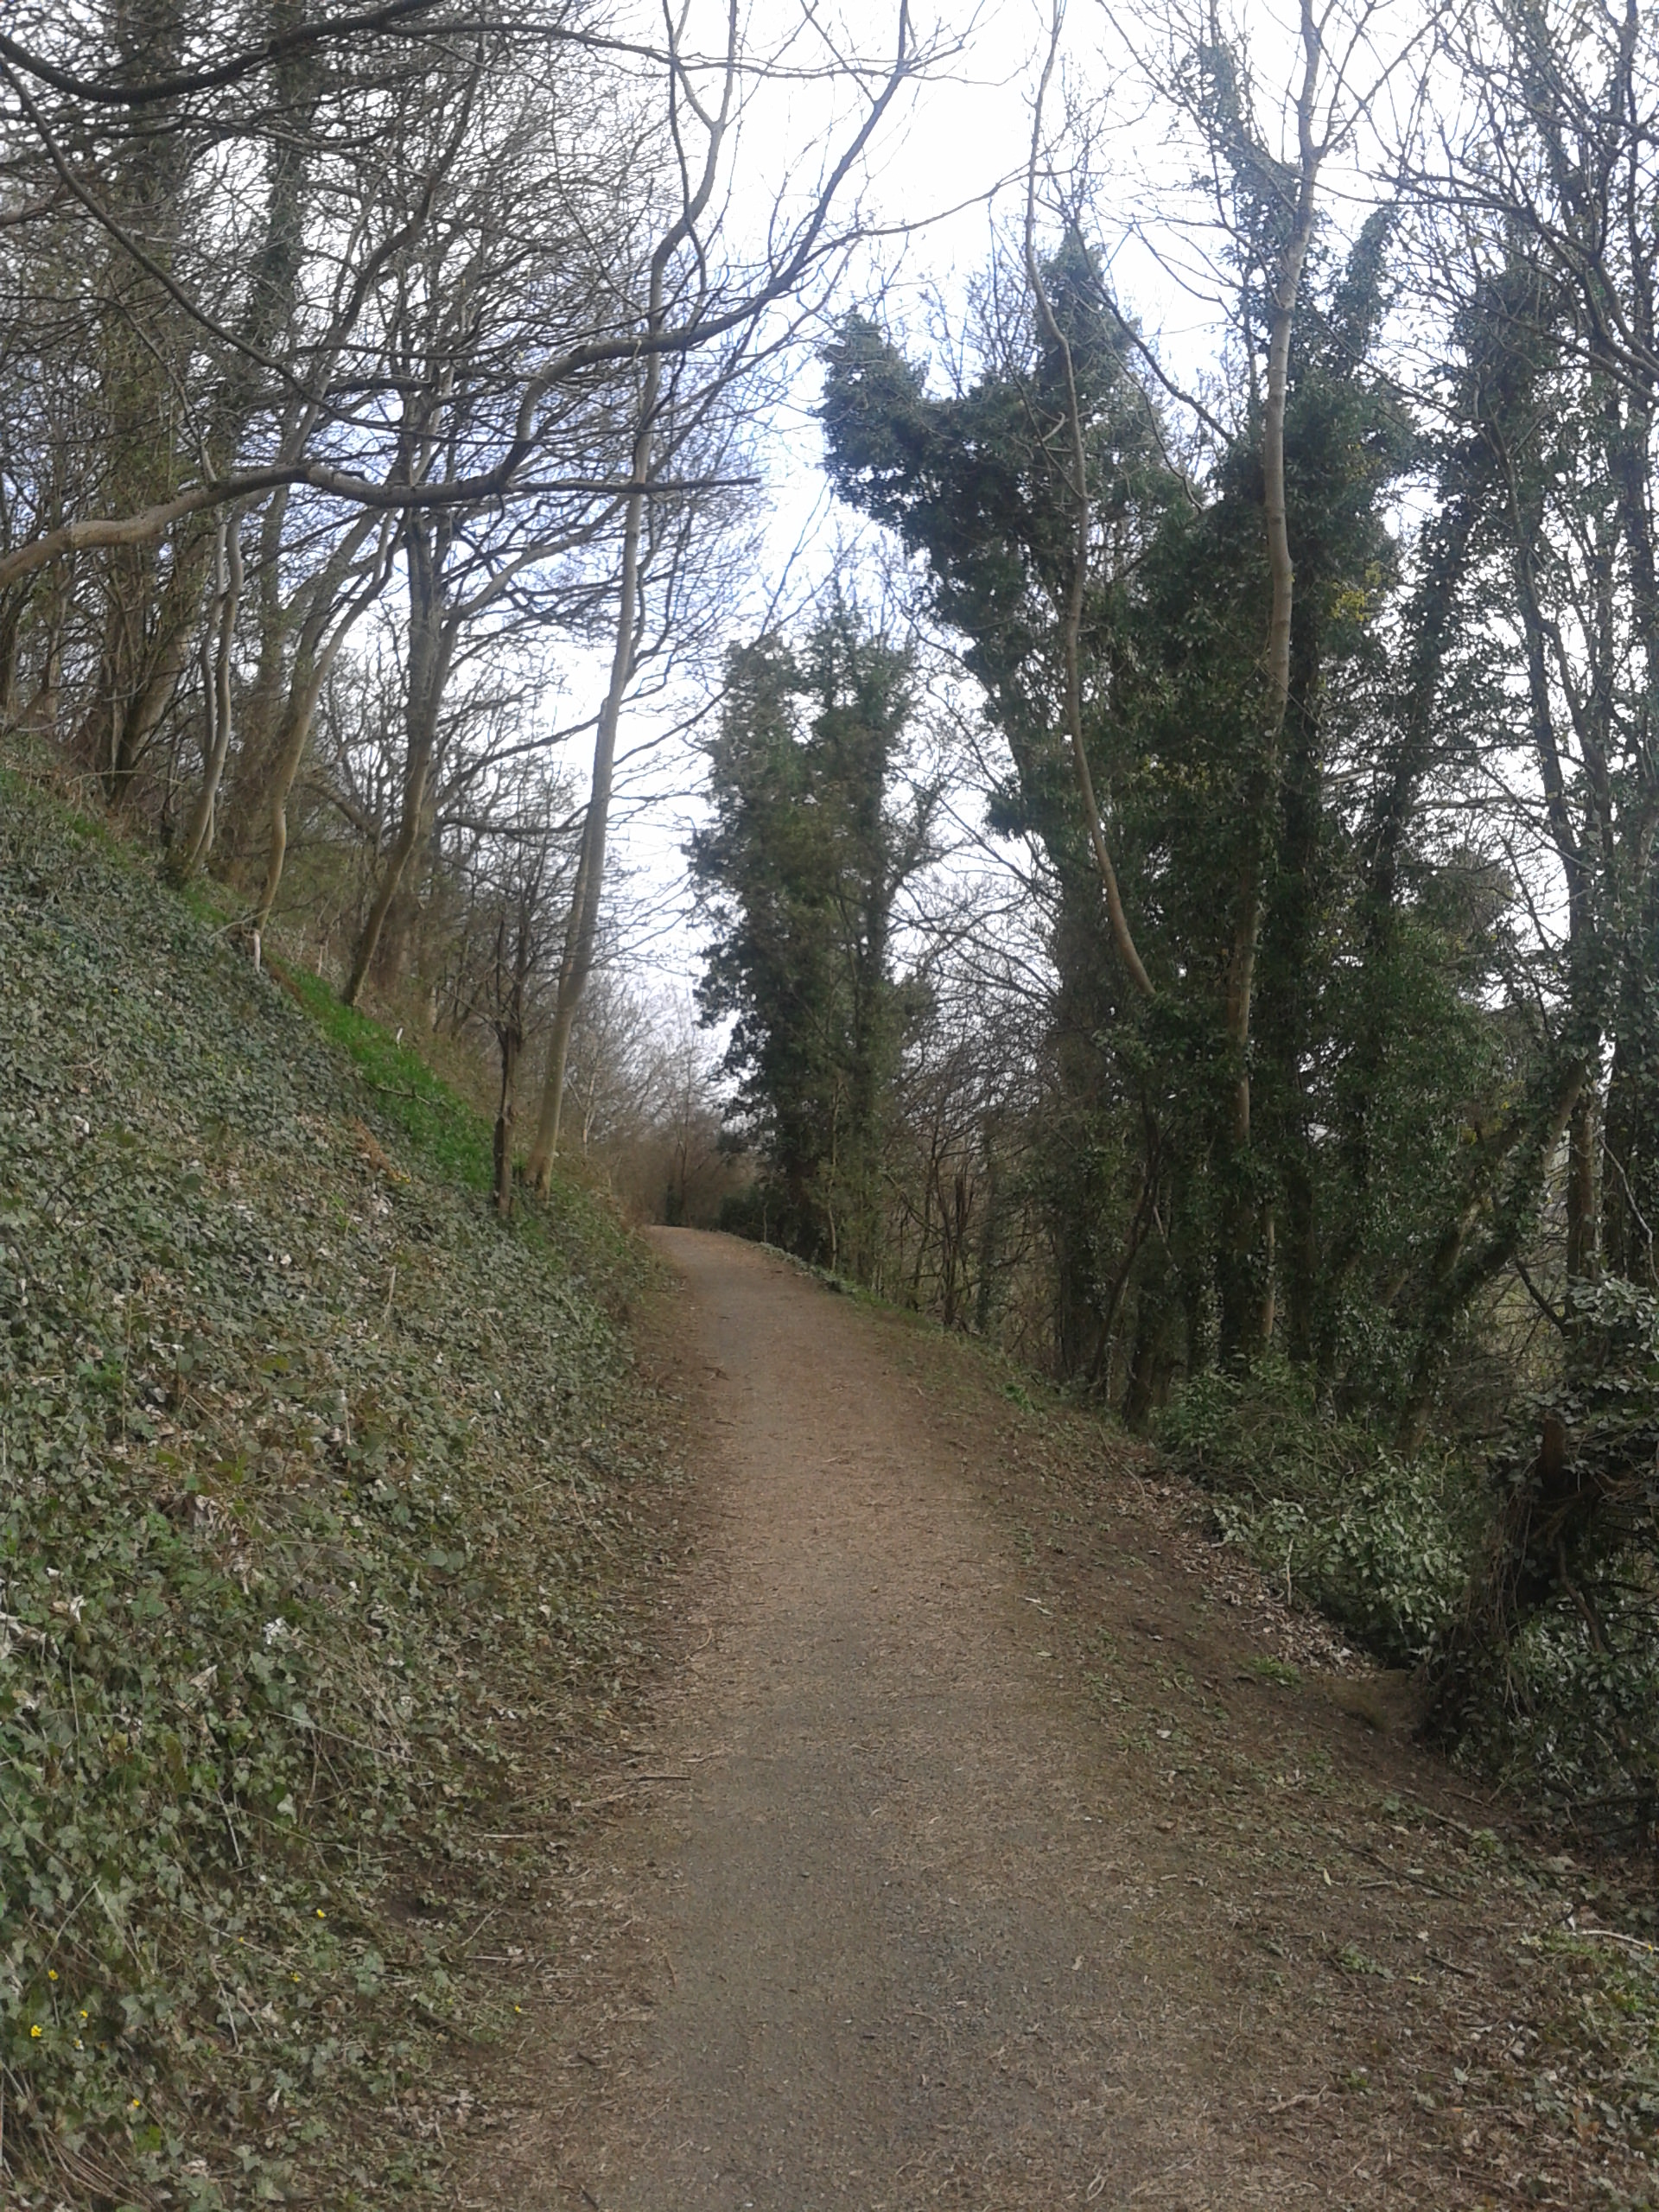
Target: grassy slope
318, 1521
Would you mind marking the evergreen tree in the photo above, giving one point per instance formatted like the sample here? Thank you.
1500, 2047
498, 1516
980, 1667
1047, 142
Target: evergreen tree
1160, 1199
798, 872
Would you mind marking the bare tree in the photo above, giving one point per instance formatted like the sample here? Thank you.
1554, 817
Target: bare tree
679, 289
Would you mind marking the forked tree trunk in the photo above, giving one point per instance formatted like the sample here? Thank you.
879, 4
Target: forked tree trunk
315, 653
392, 876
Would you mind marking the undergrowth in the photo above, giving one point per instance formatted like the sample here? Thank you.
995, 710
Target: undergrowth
1399, 1551
1382, 1544
322, 1498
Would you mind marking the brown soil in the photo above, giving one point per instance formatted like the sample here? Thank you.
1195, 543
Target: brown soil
997, 1842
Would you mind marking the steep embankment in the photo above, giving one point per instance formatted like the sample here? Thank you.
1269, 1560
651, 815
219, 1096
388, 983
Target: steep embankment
325, 1502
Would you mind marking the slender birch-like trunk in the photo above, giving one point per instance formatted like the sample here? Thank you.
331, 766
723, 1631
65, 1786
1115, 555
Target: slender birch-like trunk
217, 669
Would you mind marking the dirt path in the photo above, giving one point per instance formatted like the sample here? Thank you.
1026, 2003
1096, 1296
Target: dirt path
986, 1856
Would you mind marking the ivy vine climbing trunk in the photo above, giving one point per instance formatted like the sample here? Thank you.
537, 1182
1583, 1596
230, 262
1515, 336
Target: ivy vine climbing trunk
1247, 1258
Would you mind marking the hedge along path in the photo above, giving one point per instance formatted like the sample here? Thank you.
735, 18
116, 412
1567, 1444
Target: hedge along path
988, 1849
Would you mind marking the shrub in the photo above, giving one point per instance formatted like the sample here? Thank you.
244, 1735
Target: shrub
1380, 1543
1551, 1671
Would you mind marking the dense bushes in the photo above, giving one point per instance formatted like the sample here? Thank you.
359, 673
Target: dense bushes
1517, 1577
1382, 1544
1552, 1667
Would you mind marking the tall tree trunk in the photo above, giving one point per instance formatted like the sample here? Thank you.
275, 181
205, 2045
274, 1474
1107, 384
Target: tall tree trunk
315, 651
510, 1039
1246, 1271
147, 635
12, 637
293, 735
1392, 812
1074, 476
581, 929
510, 1036
41, 712
1286, 1000
264, 708
1581, 1189
430, 643
1630, 1132
199, 830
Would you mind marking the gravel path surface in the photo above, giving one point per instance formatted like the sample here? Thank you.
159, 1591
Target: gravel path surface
983, 1855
